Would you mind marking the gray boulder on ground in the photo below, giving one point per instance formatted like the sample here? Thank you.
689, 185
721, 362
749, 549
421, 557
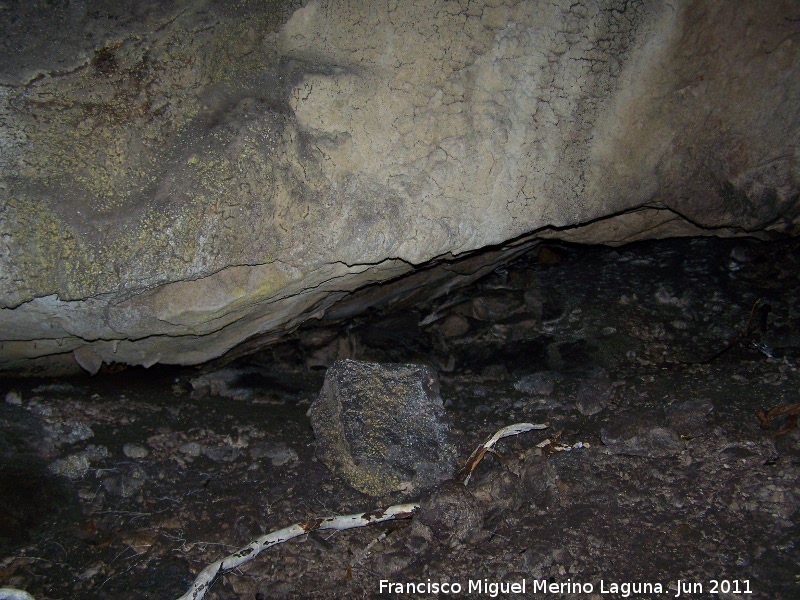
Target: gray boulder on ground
382, 427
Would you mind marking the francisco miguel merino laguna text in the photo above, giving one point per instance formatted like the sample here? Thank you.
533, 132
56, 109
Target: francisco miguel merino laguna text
541, 586
494, 588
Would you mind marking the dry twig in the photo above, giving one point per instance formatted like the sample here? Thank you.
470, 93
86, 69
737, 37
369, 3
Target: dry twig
208, 575
400, 511
792, 411
466, 471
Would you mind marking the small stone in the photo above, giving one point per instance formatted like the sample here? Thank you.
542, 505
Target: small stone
135, 451
222, 453
691, 417
96, 452
14, 398
741, 254
631, 437
537, 482
225, 383
283, 456
534, 302
540, 383
77, 465
279, 454
125, 486
73, 466
69, 432
594, 394
452, 513
454, 326
192, 449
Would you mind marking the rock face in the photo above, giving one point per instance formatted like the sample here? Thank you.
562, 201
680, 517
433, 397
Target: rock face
383, 428
178, 177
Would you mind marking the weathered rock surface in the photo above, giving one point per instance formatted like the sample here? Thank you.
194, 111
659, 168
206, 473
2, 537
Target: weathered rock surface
383, 428
179, 177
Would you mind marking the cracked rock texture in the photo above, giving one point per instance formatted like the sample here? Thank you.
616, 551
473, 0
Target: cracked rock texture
382, 427
179, 177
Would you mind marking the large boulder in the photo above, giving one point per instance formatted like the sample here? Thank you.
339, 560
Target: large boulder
383, 427
178, 177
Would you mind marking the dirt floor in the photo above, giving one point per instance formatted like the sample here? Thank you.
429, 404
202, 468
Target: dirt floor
648, 362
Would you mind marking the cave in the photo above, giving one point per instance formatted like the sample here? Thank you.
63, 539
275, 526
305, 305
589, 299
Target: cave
414, 299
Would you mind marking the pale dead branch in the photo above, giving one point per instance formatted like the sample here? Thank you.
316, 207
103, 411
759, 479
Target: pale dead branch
466, 471
400, 511
208, 575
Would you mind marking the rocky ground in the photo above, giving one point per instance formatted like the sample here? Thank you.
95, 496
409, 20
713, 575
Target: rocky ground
648, 362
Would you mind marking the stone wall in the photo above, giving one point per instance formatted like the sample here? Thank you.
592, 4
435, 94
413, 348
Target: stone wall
178, 177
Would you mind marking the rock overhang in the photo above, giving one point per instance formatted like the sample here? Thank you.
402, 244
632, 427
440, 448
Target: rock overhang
208, 177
